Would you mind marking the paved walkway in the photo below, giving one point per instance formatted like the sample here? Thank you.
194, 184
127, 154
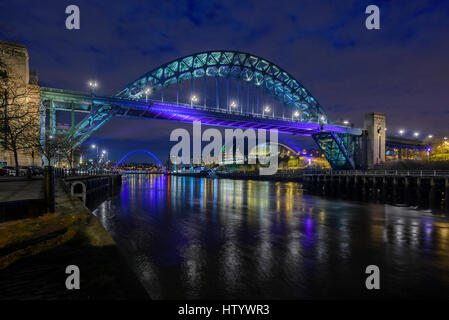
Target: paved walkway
13, 189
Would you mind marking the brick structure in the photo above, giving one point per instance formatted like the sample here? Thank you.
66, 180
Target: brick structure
14, 58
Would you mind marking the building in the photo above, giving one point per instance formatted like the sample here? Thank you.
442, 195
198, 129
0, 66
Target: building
14, 64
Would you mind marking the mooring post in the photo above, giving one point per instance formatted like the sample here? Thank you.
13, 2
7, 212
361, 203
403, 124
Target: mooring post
418, 191
384, 188
395, 189
432, 189
406, 190
446, 193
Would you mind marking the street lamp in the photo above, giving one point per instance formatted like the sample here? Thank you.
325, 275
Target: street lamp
430, 136
104, 154
147, 92
401, 132
416, 134
92, 85
266, 109
94, 146
233, 105
193, 99
346, 122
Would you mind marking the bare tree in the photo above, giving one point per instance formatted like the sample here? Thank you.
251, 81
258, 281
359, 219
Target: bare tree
55, 149
19, 115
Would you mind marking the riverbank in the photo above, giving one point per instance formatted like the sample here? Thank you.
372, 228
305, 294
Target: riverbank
35, 252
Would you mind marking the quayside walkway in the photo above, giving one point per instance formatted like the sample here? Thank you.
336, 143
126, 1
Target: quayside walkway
15, 189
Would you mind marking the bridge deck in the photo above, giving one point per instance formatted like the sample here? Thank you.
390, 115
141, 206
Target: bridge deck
81, 102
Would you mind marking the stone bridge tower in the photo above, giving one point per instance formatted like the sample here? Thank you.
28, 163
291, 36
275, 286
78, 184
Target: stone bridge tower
14, 62
375, 130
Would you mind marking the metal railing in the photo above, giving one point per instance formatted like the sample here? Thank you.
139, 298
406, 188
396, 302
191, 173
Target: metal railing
411, 173
65, 173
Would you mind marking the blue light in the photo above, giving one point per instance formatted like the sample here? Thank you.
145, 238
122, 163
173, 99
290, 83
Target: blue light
147, 152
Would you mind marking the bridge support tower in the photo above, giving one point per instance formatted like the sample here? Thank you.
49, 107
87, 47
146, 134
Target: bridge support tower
375, 128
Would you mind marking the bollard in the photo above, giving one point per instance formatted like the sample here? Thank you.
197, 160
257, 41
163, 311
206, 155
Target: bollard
49, 180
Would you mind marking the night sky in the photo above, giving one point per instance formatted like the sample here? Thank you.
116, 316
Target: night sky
401, 70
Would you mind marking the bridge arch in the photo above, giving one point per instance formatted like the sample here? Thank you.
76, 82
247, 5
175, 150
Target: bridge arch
244, 66
134, 151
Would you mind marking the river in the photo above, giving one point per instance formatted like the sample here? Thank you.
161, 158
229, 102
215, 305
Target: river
191, 238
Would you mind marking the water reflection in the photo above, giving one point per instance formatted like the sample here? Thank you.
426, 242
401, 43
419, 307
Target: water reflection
204, 238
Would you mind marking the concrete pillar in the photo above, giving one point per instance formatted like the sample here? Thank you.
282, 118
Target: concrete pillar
374, 126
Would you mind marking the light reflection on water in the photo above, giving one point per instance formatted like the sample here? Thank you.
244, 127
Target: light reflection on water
204, 238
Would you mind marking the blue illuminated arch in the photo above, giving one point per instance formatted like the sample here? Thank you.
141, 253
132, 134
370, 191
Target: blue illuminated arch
131, 152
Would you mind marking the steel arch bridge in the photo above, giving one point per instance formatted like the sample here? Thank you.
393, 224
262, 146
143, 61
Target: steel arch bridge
248, 68
139, 150
299, 112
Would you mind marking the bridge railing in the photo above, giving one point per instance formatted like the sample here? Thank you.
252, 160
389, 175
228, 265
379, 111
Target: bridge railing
414, 173
230, 111
65, 173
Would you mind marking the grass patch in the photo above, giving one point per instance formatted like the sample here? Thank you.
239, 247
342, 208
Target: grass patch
29, 237
39, 249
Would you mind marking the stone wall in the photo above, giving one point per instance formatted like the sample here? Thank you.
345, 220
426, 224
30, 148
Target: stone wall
374, 126
15, 59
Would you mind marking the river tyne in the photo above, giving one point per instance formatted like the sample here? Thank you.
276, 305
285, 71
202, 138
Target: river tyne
200, 238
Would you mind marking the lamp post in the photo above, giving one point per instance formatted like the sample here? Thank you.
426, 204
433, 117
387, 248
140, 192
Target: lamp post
193, 99
266, 109
104, 155
147, 92
296, 114
92, 85
95, 146
49, 177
